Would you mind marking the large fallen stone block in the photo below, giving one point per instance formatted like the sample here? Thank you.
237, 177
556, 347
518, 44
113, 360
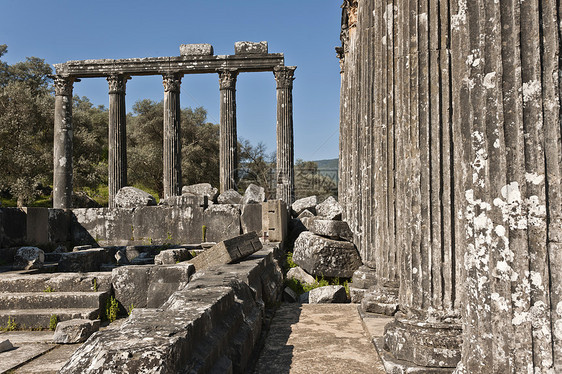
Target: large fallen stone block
27, 258
253, 195
229, 197
84, 261
75, 331
228, 251
251, 218
320, 256
337, 230
131, 197
299, 274
172, 256
329, 209
327, 295
306, 203
201, 189
149, 285
221, 221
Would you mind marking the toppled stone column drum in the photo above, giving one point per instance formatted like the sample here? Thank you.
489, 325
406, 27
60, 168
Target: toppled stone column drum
228, 137
117, 158
172, 135
284, 76
62, 146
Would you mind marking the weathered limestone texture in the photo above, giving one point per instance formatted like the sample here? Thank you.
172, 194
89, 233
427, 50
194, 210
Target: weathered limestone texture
228, 142
27, 258
196, 50
132, 197
117, 158
246, 48
201, 189
62, 149
75, 331
227, 251
450, 177
284, 76
172, 135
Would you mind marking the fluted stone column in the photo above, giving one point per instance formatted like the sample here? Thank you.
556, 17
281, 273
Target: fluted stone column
228, 137
285, 148
117, 159
172, 135
62, 147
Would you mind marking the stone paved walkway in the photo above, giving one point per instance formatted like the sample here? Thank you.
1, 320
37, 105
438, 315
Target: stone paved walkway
318, 338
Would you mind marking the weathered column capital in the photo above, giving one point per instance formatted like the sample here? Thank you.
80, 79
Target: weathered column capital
284, 75
171, 82
117, 83
63, 85
227, 79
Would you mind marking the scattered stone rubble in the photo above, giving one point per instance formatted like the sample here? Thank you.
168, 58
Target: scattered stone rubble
27, 258
327, 295
75, 331
132, 197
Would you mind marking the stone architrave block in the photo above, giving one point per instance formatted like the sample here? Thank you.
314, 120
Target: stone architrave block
201, 189
250, 48
27, 258
172, 256
201, 49
253, 195
131, 197
229, 197
329, 209
327, 295
306, 203
299, 274
275, 220
320, 256
222, 222
228, 251
251, 218
75, 331
338, 230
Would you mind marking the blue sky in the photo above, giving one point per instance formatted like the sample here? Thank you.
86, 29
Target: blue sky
306, 31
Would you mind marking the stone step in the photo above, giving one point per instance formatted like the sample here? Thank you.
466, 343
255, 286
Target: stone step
40, 318
59, 282
45, 300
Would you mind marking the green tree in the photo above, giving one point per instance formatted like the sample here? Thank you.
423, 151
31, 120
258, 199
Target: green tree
26, 130
256, 166
309, 181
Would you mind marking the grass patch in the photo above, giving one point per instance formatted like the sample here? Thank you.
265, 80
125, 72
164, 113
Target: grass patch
53, 322
10, 326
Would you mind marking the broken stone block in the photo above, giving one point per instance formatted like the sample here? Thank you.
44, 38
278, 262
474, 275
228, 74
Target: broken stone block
229, 197
356, 294
329, 209
327, 295
305, 214
320, 256
247, 48
228, 251
186, 200
201, 189
364, 277
306, 203
251, 219
201, 49
5, 345
172, 256
275, 220
121, 257
381, 301
75, 331
131, 197
299, 274
84, 261
221, 221
27, 258
289, 295
253, 195
337, 230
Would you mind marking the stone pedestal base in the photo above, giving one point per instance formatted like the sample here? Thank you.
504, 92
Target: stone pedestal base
394, 366
426, 344
382, 300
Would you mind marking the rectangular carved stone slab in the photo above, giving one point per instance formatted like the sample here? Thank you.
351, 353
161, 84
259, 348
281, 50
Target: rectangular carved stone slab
228, 251
247, 48
275, 219
196, 50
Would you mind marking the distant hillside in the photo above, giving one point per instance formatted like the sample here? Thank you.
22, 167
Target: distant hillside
331, 165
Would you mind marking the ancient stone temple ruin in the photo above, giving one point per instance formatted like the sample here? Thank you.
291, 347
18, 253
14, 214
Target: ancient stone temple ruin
194, 59
450, 178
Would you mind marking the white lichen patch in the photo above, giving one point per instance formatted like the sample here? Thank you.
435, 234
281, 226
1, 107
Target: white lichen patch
460, 17
511, 206
534, 178
490, 80
531, 90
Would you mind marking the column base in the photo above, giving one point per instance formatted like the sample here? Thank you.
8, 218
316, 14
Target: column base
423, 343
393, 365
381, 300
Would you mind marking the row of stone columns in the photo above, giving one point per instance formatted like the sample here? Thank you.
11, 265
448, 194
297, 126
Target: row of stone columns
451, 177
117, 160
